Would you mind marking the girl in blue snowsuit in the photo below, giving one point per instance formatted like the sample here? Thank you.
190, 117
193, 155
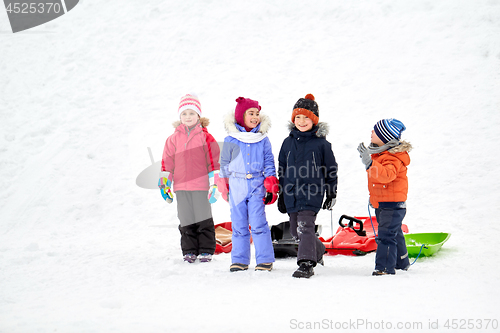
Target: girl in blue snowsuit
248, 181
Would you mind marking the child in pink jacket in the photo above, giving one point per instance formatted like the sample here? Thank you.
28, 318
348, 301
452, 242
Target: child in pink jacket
191, 160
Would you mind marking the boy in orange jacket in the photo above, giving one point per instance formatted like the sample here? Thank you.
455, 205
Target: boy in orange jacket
386, 160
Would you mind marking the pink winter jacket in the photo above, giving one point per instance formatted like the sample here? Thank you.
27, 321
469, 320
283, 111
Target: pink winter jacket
190, 156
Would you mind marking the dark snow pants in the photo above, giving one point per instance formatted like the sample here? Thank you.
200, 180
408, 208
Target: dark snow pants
302, 227
197, 225
391, 247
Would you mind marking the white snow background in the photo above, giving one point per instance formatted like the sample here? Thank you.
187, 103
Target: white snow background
83, 249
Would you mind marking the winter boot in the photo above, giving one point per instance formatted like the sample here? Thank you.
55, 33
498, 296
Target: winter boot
238, 267
305, 270
205, 257
190, 257
405, 268
264, 267
379, 272
321, 261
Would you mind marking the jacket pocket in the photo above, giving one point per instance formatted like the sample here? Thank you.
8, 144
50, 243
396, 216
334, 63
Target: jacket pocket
381, 191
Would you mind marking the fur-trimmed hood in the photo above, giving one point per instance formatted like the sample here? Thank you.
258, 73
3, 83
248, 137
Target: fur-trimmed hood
204, 122
239, 133
404, 146
322, 131
230, 123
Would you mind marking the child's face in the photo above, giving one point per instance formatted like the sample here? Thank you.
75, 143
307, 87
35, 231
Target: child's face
252, 118
376, 140
189, 117
303, 123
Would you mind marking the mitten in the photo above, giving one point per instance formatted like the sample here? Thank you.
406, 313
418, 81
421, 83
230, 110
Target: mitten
272, 187
213, 194
165, 185
281, 203
223, 188
331, 199
365, 156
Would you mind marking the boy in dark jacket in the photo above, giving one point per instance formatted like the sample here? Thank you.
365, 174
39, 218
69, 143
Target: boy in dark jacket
307, 170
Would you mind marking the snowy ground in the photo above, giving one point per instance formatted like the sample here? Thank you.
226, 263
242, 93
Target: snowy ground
83, 249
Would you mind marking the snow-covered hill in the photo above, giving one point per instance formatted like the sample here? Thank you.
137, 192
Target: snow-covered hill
83, 249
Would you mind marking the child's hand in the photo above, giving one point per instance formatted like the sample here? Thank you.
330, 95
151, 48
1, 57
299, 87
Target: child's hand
270, 198
365, 155
223, 188
331, 200
213, 194
281, 203
165, 185
272, 187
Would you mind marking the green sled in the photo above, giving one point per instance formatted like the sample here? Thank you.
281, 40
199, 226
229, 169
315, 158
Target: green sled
432, 243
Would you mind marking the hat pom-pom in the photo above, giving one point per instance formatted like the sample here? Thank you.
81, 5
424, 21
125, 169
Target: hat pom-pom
310, 96
240, 99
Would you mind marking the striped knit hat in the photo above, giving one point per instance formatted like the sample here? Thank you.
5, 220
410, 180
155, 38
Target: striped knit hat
308, 107
190, 101
388, 129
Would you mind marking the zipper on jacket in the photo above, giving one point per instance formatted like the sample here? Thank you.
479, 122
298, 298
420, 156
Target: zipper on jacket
314, 162
188, 133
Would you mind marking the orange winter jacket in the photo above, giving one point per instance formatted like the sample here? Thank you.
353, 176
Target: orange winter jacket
387, 180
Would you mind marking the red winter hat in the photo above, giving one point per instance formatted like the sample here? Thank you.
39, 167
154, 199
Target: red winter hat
242, 105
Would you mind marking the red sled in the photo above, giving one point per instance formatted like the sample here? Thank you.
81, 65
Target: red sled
223, 234
354, 239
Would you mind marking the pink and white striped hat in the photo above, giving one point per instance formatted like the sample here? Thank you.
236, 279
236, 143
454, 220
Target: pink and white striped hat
190, 101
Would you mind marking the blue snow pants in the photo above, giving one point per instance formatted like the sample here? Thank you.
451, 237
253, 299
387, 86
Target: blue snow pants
391, 247
248, 209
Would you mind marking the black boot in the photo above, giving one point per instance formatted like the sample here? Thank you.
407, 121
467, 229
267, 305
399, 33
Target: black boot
305, 270
379, 273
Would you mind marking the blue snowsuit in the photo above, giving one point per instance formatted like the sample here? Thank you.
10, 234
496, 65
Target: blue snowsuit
247, 159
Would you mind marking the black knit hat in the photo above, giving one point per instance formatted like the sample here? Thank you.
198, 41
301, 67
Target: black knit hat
308, 107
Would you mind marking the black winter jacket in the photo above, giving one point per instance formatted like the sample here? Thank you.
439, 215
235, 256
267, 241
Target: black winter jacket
307, 168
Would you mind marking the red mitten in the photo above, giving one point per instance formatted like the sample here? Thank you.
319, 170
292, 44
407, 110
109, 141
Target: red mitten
272, 187
223, 188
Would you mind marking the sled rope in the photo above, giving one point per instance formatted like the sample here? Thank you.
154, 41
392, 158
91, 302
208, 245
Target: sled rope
331, 223
414, 261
